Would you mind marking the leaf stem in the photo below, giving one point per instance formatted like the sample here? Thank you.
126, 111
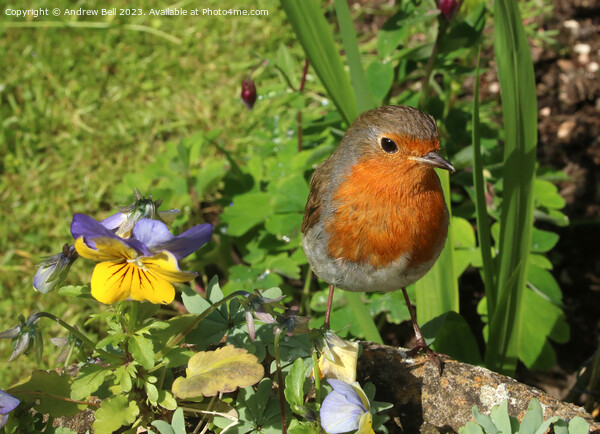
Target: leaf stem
280, 380
317, 377
86, 341
442, 27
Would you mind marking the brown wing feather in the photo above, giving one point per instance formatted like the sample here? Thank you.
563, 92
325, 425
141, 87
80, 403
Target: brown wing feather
316, 196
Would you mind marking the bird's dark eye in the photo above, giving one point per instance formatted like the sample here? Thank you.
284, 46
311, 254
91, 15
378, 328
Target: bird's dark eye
388, 145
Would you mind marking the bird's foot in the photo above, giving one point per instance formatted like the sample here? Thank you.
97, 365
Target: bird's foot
437, 358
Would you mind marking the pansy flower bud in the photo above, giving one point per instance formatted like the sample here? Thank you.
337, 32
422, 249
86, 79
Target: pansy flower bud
248, 93
449, 8
122, 223
53, 271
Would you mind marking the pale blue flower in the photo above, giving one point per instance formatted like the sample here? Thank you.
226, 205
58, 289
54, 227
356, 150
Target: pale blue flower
7, 404
346, 409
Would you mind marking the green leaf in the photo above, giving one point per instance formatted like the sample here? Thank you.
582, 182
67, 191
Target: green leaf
142, 350
166, 400
89, 379
544, 283
223, 370
247, 211
485, 421
519, 109
462, 233
454, 337
114, 413
259, 407
195, 303
47, 393
533, 418
81, 291
543, 241
544, 426
560, 427
294, 386
542, 319
284, 226
164, 427
578, 425
470, 428
546, 194
391, 34
380, 77
364, 99
314, 34
437, 291
290, 194
500, 417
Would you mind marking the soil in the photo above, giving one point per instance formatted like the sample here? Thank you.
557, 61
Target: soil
568, 89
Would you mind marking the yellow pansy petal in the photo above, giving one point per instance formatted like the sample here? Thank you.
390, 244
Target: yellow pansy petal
361, 394
107, 249
365, 424
164, 264
147, 285
343, 365
111, 281
114, 281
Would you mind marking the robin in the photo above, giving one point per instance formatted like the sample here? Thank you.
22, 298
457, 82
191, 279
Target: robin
376, 219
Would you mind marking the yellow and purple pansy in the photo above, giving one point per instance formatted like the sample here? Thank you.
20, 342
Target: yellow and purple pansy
141, 267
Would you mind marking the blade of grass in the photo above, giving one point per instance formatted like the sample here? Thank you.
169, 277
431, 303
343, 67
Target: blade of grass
316, 38
483, 224
437, 291
519, 108
364, 98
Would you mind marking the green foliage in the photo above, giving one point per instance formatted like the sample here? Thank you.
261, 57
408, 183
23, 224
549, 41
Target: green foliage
177, 425
114, 413
499, 421
47, 393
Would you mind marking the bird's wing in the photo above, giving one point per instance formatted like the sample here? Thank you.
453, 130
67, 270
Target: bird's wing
316, 196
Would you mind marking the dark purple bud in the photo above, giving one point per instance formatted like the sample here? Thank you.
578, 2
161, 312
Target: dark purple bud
248, 93
449, 8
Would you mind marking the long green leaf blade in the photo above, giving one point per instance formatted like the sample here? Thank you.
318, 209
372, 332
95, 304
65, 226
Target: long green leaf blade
314, 34
483, 224
437, 291
364, 98
519, 107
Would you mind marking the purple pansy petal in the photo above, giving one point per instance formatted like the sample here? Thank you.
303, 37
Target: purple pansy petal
338, 415
188, 242
7, 402
152, 232
347, 391
114, 221
88, 228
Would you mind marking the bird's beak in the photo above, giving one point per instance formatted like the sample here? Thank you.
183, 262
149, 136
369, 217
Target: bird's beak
434, 159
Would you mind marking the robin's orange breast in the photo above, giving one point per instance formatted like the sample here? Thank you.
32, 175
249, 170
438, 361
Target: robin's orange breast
387, 208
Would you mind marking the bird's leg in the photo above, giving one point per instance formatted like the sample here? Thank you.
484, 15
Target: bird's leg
420, 342
329, 304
